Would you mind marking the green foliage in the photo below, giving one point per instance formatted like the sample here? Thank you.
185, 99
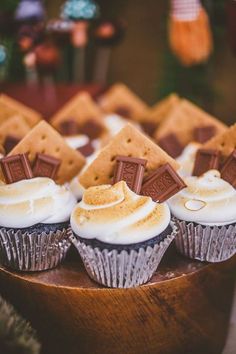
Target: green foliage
8, 5
16, 335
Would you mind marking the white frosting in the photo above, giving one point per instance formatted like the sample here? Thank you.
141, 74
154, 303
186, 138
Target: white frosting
114, 123
76, 141
32, 201
207, 200
115, 214
187, 158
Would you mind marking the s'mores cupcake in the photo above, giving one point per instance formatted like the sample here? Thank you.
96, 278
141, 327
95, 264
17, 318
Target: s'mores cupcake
121, 236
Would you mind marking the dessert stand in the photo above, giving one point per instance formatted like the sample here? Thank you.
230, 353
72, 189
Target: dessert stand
185, 308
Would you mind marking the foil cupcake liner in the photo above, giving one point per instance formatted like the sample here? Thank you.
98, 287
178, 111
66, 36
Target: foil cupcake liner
26, 251
205, 243
121, 269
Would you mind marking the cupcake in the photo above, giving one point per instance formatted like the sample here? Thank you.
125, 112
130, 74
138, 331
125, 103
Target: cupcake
34, 223
121, 236
205, 215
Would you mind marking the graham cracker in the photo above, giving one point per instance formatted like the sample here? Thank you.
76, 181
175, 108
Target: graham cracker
46, 140
128, 142
183, 120
16, 126
9, 107
162, 109
80, 108
224, 142
119, 95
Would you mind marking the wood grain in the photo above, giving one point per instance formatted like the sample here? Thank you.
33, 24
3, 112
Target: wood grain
183, 309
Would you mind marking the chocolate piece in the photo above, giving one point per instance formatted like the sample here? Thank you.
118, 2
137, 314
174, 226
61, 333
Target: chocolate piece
46, 166
170, 143
206, 159
69, 127
202, 134
149, 127
10, 142
130, 170
87, 149
91, 128
162, 184
228, 171
123, 111
16, 168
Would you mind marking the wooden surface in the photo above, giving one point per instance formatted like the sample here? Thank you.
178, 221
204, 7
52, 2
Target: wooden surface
185, 308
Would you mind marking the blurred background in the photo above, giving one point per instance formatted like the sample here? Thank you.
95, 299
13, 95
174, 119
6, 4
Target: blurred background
138, 53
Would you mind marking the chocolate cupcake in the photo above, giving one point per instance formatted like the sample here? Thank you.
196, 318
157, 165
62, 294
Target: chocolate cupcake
34, 223
205, 214
121, 236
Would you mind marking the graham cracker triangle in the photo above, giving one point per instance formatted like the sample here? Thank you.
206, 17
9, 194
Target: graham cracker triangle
128, 142
120, 97
162, 109
224, 142
183, 119
46, 140
16, 126
9, 107
80, 108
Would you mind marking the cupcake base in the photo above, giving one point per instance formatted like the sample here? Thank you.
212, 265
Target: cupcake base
205, 243
40, 247
125, 267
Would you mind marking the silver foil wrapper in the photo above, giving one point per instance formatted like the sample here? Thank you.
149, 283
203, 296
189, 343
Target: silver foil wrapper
26, 251
204, 243
121, 269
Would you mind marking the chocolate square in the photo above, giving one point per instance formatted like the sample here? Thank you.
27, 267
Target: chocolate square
91, 128
10, 142
170, 143
69, 127
86, 149
123, 111
149, 128
162, 184
131, 170
16, 168
46, 166
228, 170
206, 159
202, 134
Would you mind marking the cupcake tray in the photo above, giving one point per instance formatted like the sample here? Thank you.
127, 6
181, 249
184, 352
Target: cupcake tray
184, 308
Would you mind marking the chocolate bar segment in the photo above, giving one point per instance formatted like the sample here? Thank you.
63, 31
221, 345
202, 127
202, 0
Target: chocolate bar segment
69, 127
46, 166
123, 111
206, 159
16, 168
170, 143
162, 184
86, 149
149, 127
10, 142
228, 170
91, 128
202, 134
131, 170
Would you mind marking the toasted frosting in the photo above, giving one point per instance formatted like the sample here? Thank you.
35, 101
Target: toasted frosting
207, 200
32, 201
115, 214
186, 159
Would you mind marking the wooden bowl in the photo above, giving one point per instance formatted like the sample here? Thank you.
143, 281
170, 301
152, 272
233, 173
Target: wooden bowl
183, 309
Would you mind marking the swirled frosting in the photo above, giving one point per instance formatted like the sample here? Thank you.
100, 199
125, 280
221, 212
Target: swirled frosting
115, 214
32, 201
207, 200
187, 158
